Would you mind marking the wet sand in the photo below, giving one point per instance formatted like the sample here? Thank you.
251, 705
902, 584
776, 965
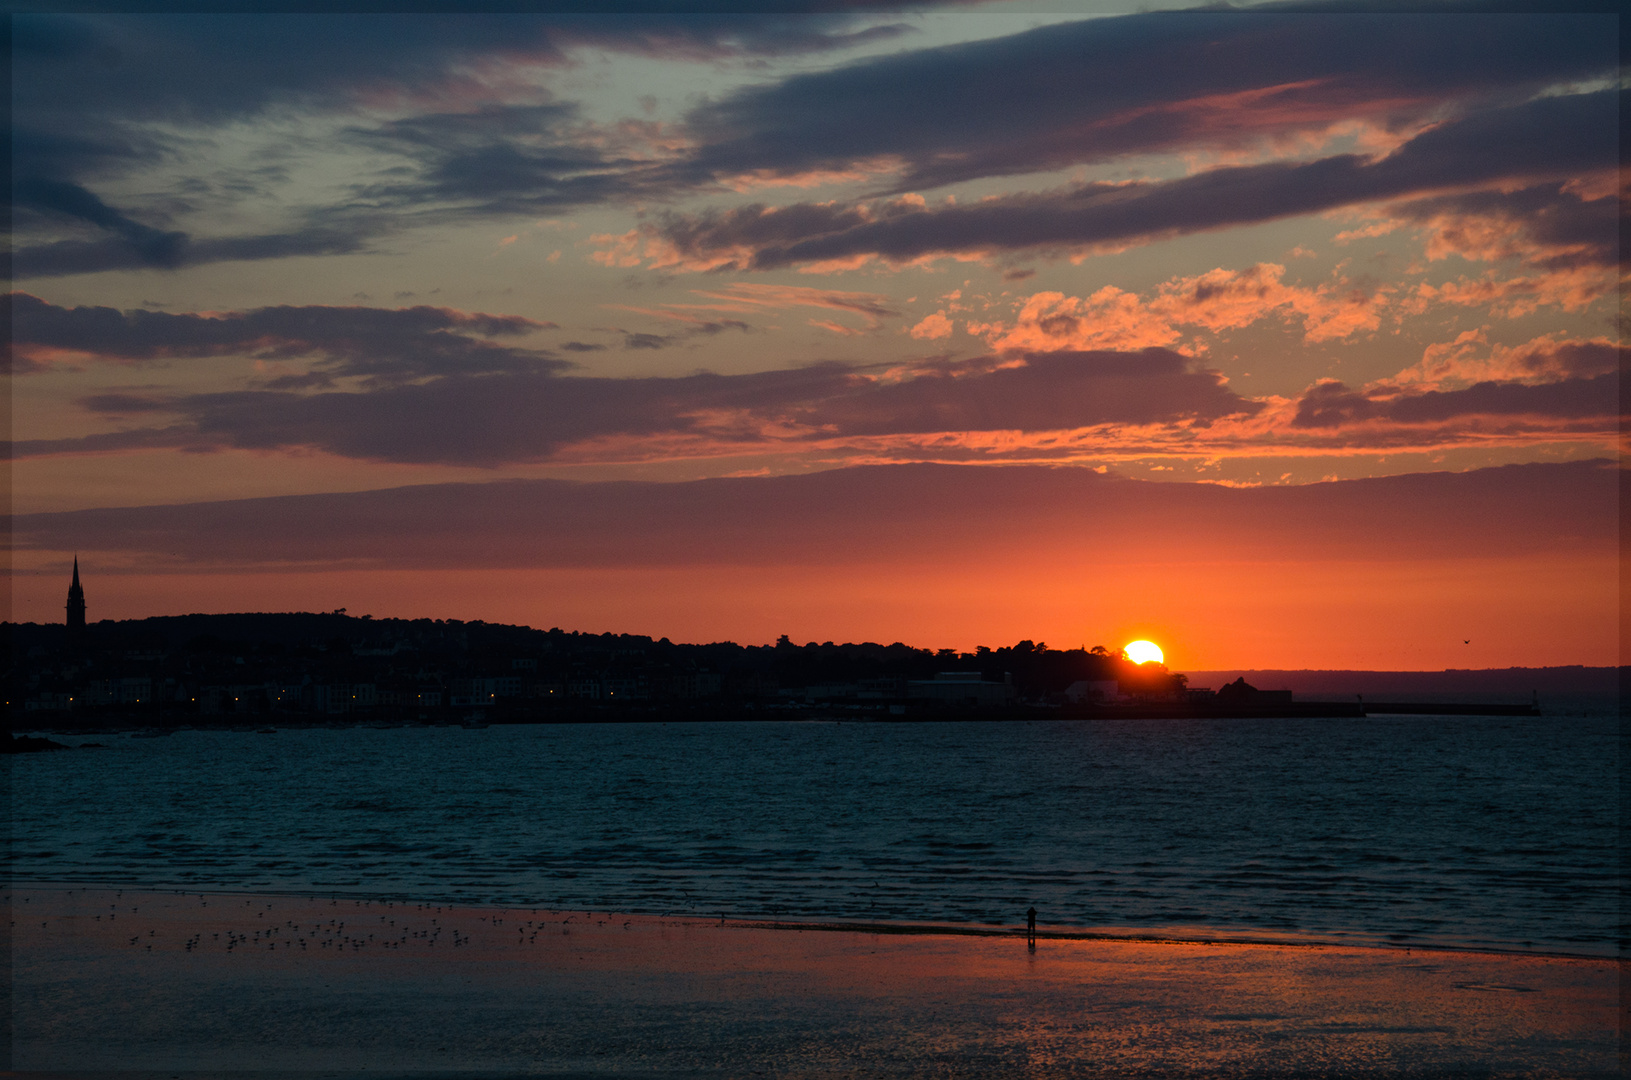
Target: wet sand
138, 983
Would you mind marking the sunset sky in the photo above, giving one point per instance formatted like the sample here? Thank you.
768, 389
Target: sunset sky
1283, 338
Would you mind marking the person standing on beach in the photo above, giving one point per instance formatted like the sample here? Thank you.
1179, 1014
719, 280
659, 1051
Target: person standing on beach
1030, 927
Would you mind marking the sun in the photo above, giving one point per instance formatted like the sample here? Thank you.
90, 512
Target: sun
1144, 652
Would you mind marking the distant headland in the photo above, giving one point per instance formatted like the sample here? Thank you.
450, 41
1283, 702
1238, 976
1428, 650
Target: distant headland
321, 668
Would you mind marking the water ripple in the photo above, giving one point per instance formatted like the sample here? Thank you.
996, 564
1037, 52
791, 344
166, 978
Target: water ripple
1432, 830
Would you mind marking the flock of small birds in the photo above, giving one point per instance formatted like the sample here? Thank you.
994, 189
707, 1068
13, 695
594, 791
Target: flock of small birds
400, 925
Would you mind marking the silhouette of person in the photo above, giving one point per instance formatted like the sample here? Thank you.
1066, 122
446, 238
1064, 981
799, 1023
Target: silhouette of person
1030, 927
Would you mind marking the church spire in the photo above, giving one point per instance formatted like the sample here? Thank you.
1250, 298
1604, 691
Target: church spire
76, 602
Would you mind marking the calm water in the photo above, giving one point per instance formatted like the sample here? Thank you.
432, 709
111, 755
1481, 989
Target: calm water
1455, 830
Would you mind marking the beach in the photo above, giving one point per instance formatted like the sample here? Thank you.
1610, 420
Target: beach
137, 983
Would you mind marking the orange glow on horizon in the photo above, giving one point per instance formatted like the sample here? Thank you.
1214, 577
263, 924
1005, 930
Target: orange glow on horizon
1409, 615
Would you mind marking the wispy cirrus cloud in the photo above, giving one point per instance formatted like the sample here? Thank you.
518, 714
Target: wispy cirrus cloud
756, 298
528, 158
690, 327
96, 95
180, 67
749, 296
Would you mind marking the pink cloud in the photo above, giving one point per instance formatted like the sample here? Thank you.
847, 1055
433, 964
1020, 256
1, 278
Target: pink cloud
857, 171
1471, 359
1216, 300
1572, 289
933, 327
837, 328
1111, 318
1544, 225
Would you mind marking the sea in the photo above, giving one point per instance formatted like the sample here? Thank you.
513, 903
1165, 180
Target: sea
1449, 831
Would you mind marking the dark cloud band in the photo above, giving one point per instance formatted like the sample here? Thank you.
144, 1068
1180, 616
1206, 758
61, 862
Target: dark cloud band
1090, 91
381, 345
1059, 96
498, 419
1555, 136
1333, 405
914, 513
435, 393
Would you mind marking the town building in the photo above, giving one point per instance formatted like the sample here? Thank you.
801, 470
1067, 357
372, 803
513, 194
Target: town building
76, 603
960, 688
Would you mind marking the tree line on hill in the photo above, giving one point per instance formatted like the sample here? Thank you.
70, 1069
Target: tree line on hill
331, 662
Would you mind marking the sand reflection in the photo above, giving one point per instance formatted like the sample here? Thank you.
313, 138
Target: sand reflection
111, 979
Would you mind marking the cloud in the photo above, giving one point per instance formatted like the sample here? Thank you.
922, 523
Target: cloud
182, 67
1542, 359
48, 196
747, 296
515, 159
527, 416
1470, 359
1048, 391
178, 249
1333, 405
933, 327
1095, 90
691, 327
1558, 136
380, 345
1571, 289
1565, 236
1111, 318
475, 135
1467, 391
436, 386
93, 146
1547, 226
95, 95
1217, 300
907, 513
149, 246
